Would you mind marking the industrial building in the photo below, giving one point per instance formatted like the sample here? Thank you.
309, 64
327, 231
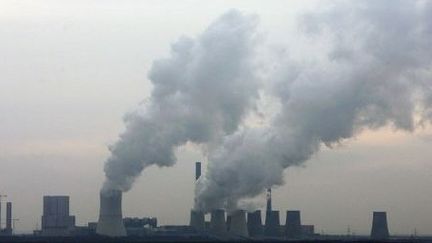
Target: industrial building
56, 220
232, 225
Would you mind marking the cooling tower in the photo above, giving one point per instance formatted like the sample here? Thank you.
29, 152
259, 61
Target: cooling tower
238, 225
293, 225
197, 220
272, 224
217, 222
379, 226
110, 215
254, 224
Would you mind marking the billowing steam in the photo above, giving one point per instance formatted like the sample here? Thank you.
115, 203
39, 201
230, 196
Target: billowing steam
376, 73
201, 93
367, 64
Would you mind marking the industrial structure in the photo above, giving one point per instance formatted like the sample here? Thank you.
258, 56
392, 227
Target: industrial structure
8, 229
217, 222
232, 225
110, 214
56, 220
197, 218
293, 227
237, 225
272, 222
254, 224
379, 226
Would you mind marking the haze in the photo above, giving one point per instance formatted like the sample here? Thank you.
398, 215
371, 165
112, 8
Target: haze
70, 71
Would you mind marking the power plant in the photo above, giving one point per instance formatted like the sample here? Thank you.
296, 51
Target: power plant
239, 224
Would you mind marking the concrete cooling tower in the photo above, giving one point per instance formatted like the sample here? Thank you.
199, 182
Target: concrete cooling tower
272, 224
254, 223
293, 225
197, 220
110, 215
379, 226
238, 225
217, 222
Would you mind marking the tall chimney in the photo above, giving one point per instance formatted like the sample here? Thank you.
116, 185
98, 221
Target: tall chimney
217, 222
197, 170
9, 216
379, 226
0, 213
293, 224
269, 200
254, 223
197, 220
110, 214
237, 224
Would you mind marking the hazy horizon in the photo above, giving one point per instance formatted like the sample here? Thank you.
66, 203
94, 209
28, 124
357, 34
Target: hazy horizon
70, 71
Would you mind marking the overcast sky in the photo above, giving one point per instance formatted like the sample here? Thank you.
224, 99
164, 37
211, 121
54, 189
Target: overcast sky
70, 70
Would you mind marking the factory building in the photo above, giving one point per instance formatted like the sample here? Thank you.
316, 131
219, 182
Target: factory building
56, 220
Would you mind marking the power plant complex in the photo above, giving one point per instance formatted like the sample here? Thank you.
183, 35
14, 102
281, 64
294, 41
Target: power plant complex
239, 225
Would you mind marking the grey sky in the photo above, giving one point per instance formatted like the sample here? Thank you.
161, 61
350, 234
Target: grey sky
70, 70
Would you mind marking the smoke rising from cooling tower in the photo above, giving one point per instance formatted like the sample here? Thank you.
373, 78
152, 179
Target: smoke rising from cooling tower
200, 93
376, 72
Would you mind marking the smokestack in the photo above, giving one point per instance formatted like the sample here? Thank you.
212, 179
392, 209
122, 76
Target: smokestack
197, 170
237, 225
217, 222
9, 216
0, 213
254, 223
197, 220
272, 224
379, 226
110, 214
293, 224
269, 202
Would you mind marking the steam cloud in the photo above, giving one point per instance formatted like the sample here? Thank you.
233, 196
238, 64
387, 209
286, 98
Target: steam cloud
370, 65
201, 93
376, 73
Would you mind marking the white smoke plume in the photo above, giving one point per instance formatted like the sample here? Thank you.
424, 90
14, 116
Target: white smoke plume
376, 72
201, 93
